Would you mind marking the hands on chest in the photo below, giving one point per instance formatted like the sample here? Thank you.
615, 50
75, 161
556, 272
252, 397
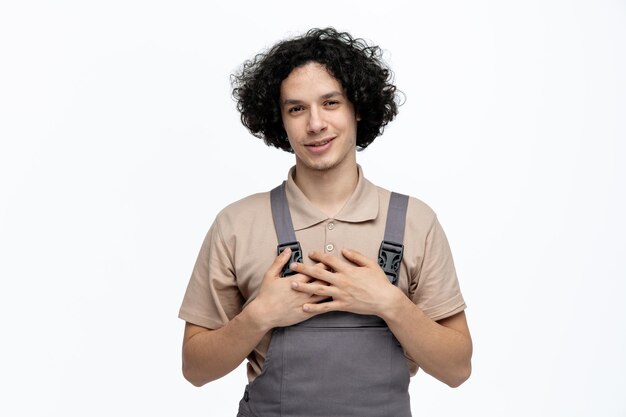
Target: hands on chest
356, 285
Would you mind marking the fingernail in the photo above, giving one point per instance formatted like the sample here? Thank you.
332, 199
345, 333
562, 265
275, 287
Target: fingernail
293, 265
286, 250
294, 284
305, 307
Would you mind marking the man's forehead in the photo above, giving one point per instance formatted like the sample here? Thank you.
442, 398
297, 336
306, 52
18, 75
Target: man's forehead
311, 80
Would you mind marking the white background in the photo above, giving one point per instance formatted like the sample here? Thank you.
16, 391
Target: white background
120, 143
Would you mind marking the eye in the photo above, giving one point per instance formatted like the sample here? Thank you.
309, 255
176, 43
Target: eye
295, 109
332, 103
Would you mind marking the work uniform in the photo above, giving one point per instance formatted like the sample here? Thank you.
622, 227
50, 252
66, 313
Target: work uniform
241, 245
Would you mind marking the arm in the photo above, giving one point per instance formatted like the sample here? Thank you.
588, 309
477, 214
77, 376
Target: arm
442, 349
211, 354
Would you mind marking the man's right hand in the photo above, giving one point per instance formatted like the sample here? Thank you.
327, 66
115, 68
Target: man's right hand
278, 304
211, 354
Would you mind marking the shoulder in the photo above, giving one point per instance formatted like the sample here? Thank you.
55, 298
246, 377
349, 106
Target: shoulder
419, 214
247, 205
243, 214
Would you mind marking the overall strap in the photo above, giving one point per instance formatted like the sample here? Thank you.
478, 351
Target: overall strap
392, 247
284, 228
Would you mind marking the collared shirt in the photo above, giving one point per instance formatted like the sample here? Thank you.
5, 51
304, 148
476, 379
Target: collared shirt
241, 245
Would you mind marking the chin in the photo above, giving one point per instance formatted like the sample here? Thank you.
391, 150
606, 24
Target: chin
322, 165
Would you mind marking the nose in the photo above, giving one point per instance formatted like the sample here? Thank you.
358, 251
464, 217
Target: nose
317, 123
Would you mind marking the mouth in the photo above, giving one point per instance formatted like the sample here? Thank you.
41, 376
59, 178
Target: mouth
320, 143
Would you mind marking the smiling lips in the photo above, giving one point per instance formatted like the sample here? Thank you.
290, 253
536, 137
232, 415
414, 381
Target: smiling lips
320, 143
320, 146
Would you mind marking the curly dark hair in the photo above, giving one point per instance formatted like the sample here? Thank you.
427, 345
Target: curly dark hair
356, 65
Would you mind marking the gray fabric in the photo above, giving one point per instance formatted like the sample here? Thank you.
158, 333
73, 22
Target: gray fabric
338, 371
336, 364
282, 215
392, 247
396, 218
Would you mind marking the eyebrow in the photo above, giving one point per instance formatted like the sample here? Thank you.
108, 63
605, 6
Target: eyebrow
324, 97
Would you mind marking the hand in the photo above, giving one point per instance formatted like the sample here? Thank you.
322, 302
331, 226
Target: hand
359, 286
277, 304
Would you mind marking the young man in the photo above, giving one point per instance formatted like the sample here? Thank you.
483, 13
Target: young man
337, 335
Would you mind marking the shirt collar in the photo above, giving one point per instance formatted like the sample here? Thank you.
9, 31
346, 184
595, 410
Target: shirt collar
362, 205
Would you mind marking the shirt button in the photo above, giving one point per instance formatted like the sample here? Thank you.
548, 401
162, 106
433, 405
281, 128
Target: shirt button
331, 226
330, 247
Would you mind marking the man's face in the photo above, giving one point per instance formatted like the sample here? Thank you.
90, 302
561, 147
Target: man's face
319, 119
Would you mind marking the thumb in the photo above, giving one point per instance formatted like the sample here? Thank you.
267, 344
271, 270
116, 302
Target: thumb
277, 266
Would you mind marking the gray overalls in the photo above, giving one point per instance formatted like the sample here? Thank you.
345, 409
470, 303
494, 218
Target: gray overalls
336, 364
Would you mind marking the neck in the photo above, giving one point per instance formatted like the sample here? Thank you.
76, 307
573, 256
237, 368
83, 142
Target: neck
328, 190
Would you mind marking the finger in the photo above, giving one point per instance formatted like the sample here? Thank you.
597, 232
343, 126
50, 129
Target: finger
321, 265
321, 307
280, 261
301, 277
315, 289
313, 272
330, 261
314, 299
358, 258
317, 281
307, 279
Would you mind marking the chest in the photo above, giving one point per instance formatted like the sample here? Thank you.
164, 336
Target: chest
329, 236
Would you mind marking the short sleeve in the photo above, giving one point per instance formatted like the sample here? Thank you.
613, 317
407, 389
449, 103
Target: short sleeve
212, 297
438, 293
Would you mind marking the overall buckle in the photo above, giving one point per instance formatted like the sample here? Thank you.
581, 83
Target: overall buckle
296, 256
389, 259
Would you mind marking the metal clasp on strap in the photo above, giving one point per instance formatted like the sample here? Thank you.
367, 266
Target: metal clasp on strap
389, 259
296, 256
